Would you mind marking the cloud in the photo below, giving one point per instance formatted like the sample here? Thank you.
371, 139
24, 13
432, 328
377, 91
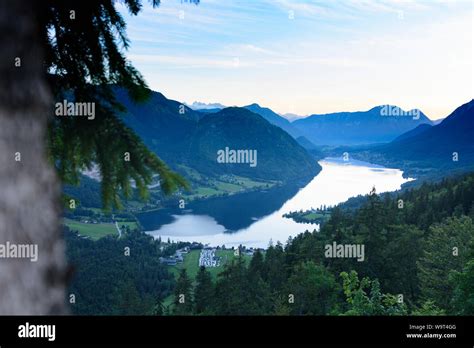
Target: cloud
348, 8
346, 51
247, 49
308, 8
188, 62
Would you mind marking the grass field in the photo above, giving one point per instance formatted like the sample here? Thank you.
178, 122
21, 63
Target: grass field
132, 225
316, 216
249, 183
227, 184
93, 231
312, 216
228, 187
191, 263
205, 191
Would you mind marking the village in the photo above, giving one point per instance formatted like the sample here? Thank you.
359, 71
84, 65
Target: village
207, 256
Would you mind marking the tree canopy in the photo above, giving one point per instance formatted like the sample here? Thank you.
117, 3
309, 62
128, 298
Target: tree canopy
84, 56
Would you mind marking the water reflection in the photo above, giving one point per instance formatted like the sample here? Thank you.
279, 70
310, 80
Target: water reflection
253, 219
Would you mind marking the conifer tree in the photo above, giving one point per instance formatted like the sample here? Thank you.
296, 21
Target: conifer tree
85, 43
54, 50
203, 292
183, 300
446, 249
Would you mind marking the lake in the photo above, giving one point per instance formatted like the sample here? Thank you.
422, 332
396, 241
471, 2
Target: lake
254, 219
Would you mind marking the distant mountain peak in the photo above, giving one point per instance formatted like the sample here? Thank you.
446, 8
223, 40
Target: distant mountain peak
292, 117
204, 106
394, 110
253, 105
274, 118
432, 147
382, 123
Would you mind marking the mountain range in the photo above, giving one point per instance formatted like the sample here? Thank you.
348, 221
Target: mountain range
279, 155
292, 117
447, 147
380, 124
274, 119
384, 134
205, 106
183, 136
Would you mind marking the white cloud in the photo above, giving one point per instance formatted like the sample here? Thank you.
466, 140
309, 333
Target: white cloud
343, 54
189, 62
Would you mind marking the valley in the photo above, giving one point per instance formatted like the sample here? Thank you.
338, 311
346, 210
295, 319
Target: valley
285, 167
254, 220
324, 196
185, 170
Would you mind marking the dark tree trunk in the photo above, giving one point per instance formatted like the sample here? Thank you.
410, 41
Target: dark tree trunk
29, 189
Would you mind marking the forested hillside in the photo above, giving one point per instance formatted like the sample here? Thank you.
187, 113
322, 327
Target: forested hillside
116, 276
378, 125
419, 259
433, 152
279, 156
182, 136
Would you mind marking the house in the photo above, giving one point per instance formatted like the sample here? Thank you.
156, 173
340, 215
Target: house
184, 250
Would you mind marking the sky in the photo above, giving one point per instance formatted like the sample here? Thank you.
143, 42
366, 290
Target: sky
308, 57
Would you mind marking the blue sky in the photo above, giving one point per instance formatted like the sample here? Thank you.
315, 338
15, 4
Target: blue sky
308, 57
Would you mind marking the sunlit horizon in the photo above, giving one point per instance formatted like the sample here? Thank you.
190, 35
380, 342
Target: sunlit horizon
308, 57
